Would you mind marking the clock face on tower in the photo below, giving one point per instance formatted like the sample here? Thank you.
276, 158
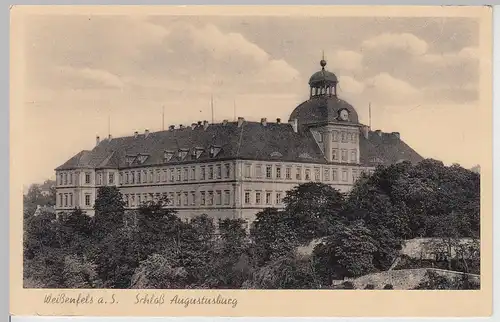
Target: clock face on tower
344, 115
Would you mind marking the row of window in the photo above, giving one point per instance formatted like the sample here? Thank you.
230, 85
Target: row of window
181, 198
187, 173
65, 178
219, 171
299, 172
260, 197
341, 136
218, 197
342, 155
70, 178
204, 198
65, 200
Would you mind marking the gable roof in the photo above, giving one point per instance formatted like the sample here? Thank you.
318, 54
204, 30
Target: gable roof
385, 149
80, 160
249, 141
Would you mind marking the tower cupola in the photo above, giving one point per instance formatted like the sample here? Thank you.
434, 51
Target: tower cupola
323, 82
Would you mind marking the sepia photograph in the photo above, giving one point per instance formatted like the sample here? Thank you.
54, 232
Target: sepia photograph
244, 151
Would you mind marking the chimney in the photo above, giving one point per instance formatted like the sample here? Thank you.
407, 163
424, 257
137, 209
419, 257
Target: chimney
295, 125
366, 131
278, 120
205, 125
181, 126
97, 140
110, 137
263, 121
396, 134
136, 134
199, 122
379, 132
240, 121
146, 133
171, 127
193, 126
224, 122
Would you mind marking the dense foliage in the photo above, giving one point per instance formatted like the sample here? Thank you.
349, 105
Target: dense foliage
434, 281
354, 234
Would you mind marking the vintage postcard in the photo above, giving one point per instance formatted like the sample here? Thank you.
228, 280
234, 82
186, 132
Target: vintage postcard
251, 161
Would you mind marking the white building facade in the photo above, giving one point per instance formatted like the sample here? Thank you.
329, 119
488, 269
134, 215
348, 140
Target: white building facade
234, 169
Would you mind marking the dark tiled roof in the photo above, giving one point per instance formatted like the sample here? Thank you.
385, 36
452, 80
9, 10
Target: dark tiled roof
385, 148
251, 141
80, 160
321, 109
323, 77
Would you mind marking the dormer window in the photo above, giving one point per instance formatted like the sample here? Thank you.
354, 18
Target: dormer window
276, 154
214, 151
182, 153
141, 158
130, 159
167, 155
197, 151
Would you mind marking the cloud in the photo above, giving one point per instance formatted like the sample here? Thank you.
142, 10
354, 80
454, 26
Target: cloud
113, 51
91, 77
348, 84
345, 60
407, 57
209, 51
465, 55
387, 89
277, 71
393, 41
223, 46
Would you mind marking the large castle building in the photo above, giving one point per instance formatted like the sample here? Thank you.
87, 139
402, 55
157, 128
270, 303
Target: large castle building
234, 169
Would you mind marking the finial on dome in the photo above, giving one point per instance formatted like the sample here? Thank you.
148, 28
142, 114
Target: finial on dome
323, 61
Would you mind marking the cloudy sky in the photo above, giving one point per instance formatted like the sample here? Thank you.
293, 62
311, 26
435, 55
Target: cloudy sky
421, 76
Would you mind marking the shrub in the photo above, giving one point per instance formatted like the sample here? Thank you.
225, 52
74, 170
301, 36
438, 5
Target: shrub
348, 286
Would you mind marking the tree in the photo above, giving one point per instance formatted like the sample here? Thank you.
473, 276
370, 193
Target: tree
348, 252
34, 198
441, 190
156, 229
273, 236
404, 201
151, 229
286, 272
79, 272
435, 281
39, 231
313, 209
117, 256
75, 232
383, 221
109, 211
159, 272
231, 265
196, 251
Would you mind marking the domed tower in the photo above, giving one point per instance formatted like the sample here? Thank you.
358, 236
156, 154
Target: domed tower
323, 82
333, 122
